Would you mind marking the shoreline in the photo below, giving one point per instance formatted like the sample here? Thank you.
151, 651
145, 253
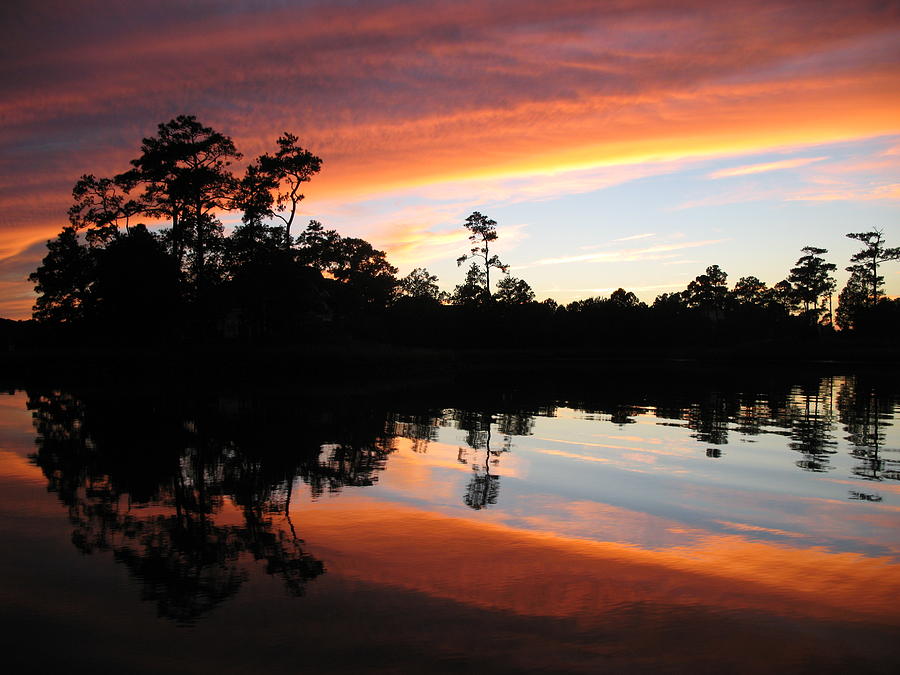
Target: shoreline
357, 364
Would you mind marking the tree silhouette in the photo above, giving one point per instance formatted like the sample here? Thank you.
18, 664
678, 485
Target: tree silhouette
853, 299
106, 273
512, 291
811, 279
317, 247
101, 207
867, 261
623, 299
135, 290
184, 173
482, 231
284, 174
471, 292
420, 285
750, 291
365, 270
708, 292
63, 279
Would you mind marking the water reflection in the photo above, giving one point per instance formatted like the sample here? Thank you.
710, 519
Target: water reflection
148, 487
189, 494
483, 489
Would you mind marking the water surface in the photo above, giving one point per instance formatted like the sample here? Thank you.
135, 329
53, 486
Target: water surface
636, 524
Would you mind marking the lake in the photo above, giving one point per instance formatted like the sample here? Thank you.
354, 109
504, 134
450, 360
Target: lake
613, 522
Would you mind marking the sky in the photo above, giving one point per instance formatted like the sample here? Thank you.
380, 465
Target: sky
625, 143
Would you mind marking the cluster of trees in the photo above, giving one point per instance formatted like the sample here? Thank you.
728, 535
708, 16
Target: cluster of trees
112, 275
807, 292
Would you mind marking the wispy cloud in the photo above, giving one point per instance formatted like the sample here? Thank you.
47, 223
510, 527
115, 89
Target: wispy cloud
626, 255
749, 169
636, 236
413, 244
738, 196
412, 234
855, 193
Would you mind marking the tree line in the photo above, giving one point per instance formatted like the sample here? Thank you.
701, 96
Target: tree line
109, 276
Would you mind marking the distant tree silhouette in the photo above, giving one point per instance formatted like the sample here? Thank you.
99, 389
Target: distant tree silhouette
853, 299
750, 291
512, 291
317, 247
867, 261
784, 295
708, 292
482, 231
669, 302
364, 269
420, 285
624, 299
471, 292
811, 279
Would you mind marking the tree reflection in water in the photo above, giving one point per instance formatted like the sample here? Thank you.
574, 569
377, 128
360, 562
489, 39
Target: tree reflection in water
483, 489
147, 480
187, 493
865, 414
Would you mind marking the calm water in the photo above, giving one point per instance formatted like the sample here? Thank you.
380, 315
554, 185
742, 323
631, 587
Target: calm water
660, 525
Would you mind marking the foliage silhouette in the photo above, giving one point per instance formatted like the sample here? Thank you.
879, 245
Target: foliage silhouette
63, 280
184, 174
867, 261
812, 279
420, 285
105, 279
482, 231
274, 182
512, 291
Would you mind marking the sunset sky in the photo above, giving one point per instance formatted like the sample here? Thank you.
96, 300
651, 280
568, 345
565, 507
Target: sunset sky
625, 143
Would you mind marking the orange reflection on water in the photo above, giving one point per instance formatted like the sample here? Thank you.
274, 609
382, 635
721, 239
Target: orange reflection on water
494, 566
16, 439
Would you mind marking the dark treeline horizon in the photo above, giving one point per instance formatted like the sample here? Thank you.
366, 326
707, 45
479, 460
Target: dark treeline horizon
108, 279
